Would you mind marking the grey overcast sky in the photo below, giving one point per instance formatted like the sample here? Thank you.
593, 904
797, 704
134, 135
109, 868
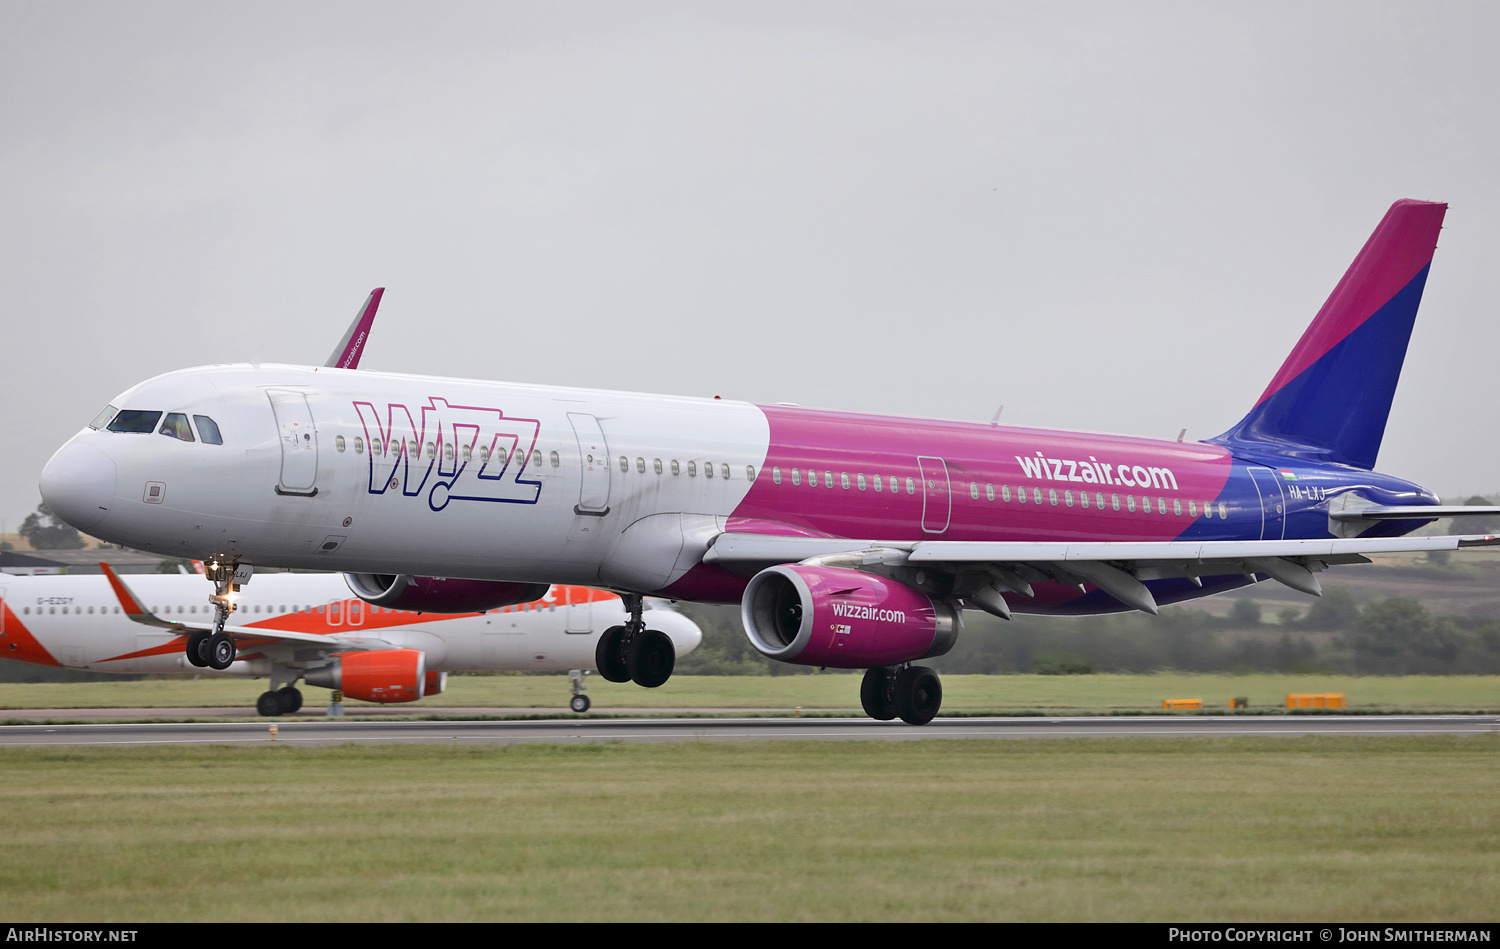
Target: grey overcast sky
1113, 216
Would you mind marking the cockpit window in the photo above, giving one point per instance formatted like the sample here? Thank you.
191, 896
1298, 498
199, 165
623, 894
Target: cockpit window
208, 430
176, 426
102, 419
135, 422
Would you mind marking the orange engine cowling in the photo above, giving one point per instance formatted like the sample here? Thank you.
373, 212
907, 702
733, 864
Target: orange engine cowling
383, 675
436, 683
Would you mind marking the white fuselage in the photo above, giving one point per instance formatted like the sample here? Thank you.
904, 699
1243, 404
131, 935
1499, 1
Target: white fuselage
335, 469
77, 622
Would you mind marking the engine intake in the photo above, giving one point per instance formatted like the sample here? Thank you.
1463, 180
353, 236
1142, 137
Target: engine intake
440, 594
845, 619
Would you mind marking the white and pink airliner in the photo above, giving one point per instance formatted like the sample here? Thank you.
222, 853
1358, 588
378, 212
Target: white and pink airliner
308, 626
852, 541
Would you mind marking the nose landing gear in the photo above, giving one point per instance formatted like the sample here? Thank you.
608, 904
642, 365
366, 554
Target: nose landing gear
216, 649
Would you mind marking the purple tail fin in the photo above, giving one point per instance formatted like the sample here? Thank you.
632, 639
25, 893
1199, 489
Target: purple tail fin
1331, 398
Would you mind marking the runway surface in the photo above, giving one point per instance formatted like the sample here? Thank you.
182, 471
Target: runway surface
583, 730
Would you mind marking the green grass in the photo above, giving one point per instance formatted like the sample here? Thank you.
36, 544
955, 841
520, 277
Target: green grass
961, 693
1231, 829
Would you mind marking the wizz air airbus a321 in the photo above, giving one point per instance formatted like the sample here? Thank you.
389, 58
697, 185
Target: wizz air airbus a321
850, 540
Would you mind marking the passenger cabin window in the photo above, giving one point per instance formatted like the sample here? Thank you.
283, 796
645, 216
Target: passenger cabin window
750, 473
775, 475
359, 443
708, 469
135, 422
676, 469
338, 441
692, 469
176, 426
555, 459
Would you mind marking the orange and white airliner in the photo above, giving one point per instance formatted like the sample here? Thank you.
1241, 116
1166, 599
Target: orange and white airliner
308, 626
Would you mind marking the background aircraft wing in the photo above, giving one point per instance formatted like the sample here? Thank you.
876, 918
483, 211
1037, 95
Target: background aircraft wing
130, 604
985, 570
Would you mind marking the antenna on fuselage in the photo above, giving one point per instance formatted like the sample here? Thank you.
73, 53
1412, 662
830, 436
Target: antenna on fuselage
995, 419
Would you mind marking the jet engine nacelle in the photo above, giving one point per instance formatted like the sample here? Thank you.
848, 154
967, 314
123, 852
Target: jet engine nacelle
382, 675
440, 594
846, 619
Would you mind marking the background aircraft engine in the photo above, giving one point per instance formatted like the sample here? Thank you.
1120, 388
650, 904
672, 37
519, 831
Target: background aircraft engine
383, 675
831, 616
441, 595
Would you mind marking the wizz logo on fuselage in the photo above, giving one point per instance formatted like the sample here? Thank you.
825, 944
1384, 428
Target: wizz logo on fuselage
456, 453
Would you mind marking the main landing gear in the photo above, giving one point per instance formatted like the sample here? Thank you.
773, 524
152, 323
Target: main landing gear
912, 693
283, 701
216, 649
633, 653
281, 698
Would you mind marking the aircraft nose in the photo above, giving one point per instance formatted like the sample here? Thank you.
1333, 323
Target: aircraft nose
78, 484
684, 633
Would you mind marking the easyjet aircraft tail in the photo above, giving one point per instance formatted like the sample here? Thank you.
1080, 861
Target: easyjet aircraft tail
1330, 400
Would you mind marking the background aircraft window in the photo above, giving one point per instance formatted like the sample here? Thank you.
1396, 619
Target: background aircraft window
911, 486
135, 422
176, 425
536, 458
1130, 503
812, 478
1223, 511
775, 474
1083, 498
359, 444
1192, 509
828, 479
555, 459
861, 482
1068, 497
656, 465
468, 451
749, 472
692, 469
974, 490
640, 466
1146, 505
431, 451
1052, 496
989, 492
1176, 507
1161, 506
338, 441
796, 476
484, 455
1114, 501
1036, 495
879, 481
844, 480
1005, 493
708, 469
1099, 500
624, 464
102, 419
675, 469
500, 455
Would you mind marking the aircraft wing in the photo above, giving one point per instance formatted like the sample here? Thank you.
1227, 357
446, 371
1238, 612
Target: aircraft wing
131, 605
1117, 567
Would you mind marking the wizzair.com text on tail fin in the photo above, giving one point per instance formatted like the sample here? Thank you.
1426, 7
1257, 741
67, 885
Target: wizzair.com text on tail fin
1331, 398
